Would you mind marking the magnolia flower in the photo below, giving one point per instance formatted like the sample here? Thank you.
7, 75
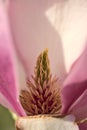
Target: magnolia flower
27, 28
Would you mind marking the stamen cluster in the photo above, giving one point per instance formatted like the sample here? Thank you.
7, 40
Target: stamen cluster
42, 95
38, 100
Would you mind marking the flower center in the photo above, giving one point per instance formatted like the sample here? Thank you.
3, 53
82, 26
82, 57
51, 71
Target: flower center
43, 93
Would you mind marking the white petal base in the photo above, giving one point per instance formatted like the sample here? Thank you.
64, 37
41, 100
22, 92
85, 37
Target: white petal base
46, 123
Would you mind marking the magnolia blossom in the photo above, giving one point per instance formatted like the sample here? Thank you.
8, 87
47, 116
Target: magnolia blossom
27, 28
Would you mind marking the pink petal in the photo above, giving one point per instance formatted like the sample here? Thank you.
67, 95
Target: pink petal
4, 102
76, 82
8, 75
52, 24
79, 109
74, 92
83, 126
33, 33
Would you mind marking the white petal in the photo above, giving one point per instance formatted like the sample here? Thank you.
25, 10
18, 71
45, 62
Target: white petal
60, 25
45, 123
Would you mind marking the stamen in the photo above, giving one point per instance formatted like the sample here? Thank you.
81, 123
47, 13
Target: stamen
43, 93
42, 68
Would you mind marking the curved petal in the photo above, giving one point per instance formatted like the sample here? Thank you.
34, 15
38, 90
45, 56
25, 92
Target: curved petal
4, 102
76, 82
52, 24
33, 32
8, 75
79, 109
